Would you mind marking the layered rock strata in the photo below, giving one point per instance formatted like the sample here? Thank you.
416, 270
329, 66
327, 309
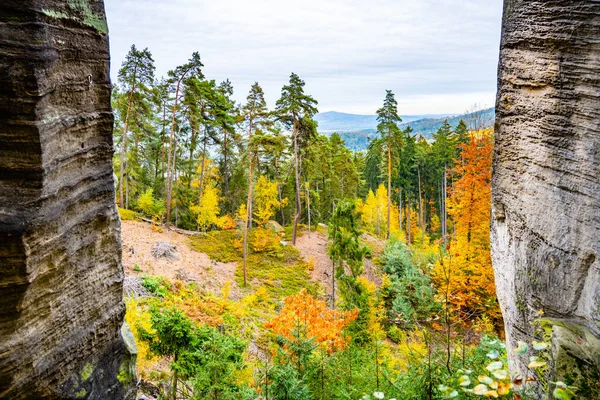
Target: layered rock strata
546, 185
61, 302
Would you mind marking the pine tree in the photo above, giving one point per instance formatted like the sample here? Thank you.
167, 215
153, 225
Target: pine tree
135, 76
176, 76
296, 109
256, 113
387, 127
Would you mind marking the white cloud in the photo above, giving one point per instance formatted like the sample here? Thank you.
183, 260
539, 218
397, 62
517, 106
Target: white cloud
434, 54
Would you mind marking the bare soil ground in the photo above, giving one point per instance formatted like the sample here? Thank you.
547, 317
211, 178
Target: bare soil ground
190, 265
315, 248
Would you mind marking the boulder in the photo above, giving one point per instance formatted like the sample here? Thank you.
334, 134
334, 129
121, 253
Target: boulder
274, 226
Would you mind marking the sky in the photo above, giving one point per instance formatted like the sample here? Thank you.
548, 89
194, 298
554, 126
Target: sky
437, 56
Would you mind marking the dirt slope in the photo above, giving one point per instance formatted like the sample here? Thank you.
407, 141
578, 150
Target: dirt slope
190, 265
315, 248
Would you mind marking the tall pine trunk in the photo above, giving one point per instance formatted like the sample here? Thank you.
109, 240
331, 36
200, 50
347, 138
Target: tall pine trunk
248, 203
124, 141
408, 224
421, 218
297, 173
170, 155
389, 190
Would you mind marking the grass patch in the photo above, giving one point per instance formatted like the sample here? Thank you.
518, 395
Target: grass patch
280, 277
218, 245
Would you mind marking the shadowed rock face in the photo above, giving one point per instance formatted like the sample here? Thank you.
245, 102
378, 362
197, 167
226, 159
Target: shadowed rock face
546, 183
61, 303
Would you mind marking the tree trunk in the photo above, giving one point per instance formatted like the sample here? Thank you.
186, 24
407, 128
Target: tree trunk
389, 190
171, 139
308, 207
124, 141
162, 140
400, 212
297, 174
61, 290
332, 285
421, 219
225, 167
249, 201
408, 224
545, 186
201, 186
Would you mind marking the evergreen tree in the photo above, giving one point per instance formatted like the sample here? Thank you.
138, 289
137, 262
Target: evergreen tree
176, 76
387, 127
296, 109
135, 76
256, 113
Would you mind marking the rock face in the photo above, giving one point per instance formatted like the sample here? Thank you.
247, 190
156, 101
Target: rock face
546, 184
61, 302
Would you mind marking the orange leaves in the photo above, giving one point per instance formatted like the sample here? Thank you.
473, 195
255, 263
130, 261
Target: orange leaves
467, 271
307, 318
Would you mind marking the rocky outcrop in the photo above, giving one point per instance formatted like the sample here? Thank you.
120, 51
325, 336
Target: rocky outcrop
61, 302
546, 184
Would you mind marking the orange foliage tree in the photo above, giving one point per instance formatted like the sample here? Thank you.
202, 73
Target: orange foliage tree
465, 276
305, 318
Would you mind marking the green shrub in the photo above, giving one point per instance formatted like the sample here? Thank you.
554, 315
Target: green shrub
155, 285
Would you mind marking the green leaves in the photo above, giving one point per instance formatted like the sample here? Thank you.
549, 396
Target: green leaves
563, 392
535, 362
496, 365
447, 392
464, 381
539, 345
493, 354
522, 348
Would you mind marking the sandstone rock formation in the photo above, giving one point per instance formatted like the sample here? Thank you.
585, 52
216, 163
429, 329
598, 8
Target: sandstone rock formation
546, 184
61, 302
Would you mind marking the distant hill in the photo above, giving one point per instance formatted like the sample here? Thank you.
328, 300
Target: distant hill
333, 121
358, 138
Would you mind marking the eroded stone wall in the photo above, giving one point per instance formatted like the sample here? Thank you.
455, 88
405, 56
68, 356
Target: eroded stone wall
546, 184
61, 303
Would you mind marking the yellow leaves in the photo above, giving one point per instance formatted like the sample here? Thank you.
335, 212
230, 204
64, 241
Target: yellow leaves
136, 317
226, 290
260, 296
266, 200
374, 212
208, 211
310, 317
228, 223
242, 213
263, 239
311, 264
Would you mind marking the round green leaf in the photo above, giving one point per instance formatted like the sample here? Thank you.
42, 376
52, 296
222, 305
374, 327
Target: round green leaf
522, 349
496, 365
493, 354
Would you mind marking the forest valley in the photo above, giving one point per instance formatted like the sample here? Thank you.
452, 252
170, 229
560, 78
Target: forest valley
245, 183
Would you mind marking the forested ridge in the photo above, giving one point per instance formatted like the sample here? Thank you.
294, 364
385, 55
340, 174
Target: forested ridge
244, 182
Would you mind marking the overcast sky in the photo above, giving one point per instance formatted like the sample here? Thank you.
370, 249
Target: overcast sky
438, 56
